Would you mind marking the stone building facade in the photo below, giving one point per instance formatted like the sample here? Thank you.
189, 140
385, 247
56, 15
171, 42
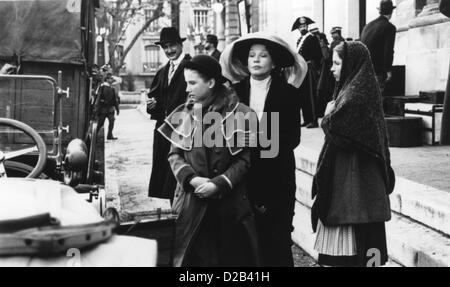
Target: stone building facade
422, 42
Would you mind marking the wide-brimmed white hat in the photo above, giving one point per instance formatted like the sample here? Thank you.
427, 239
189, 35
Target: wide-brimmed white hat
234, 64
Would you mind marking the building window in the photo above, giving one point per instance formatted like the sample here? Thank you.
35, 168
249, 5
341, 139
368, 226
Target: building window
200, 20
154, 26
152, 61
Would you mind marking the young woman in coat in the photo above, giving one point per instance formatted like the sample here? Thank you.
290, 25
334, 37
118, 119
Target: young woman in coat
215, 224
354, 176
272, 178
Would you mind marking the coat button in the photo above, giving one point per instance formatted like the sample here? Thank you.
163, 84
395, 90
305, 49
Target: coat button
215, 171
244, 197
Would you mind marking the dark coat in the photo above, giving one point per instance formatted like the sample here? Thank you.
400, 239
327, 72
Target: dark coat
272, 180
312, 53
354, 174
334, 43
311, 50
168, 97
379, 37
106, 100
230, 213
216, 55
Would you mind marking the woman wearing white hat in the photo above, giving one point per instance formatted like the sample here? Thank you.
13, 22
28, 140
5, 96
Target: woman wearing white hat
265, 67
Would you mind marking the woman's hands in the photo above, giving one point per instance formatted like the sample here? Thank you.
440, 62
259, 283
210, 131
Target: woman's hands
203, 187
206, 190
330, 107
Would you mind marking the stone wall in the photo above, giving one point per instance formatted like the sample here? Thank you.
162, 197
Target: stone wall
422, 45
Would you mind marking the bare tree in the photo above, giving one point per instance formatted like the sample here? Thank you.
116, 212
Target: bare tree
117, 15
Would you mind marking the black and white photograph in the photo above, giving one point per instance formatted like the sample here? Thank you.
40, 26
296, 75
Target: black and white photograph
226, 137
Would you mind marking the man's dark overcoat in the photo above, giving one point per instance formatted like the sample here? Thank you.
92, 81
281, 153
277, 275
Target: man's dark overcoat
168, 97
379, 37
312, 53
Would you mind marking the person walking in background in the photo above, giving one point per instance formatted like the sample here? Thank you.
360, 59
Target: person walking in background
211, 46
167, 91
105, 105
379, 37
336, 35
309, 48
264, 65
215, 224
354, 177
325, 82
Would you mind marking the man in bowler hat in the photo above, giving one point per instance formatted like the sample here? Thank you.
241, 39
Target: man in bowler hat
211, 46
309, 47
168, 91
379, 37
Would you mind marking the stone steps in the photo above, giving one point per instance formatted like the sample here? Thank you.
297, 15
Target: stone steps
422, 203
417, 235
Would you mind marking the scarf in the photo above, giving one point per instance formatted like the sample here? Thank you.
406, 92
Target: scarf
184, 127
357, 122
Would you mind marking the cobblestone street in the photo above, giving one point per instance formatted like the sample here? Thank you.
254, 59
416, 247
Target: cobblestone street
302, 259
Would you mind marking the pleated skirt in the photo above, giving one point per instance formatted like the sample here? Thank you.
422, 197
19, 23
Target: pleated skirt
358, 245
335, 240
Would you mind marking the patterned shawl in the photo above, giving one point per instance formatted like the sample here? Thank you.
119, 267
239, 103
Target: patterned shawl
357, 122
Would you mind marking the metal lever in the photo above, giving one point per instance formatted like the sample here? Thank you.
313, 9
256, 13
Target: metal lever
66, 91
61, 91
65, 128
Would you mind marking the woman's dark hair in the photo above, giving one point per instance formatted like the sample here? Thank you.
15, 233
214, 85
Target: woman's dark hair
219, 88
271, 51
341, 50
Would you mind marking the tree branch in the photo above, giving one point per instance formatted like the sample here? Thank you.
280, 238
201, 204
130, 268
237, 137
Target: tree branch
158, 13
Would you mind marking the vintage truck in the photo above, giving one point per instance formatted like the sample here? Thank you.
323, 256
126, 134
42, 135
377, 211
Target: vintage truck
47, 134
51, 47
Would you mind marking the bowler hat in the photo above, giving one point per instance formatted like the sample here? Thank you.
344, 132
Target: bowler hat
169, 34
386, 6
212, 39
208, 66
301, 21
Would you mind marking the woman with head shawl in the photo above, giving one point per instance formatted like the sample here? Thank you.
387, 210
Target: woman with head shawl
354, 176
215, 224
263, 65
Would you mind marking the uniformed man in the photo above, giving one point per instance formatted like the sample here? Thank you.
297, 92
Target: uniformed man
309, 47
105, 104
336, 34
